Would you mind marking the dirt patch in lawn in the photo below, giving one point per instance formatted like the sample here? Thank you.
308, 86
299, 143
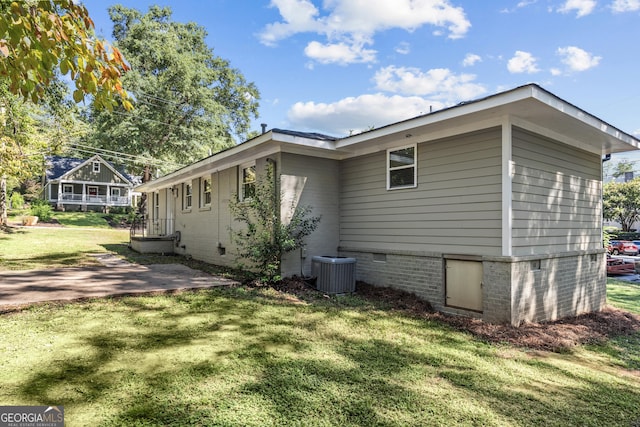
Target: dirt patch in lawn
550, 336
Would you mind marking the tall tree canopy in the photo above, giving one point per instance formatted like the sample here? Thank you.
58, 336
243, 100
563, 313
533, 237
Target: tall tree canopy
39, 38
621, 202
188, 101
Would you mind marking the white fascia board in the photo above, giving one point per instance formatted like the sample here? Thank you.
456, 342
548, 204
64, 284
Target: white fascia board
262, 146
587, 118
615, 137
438, 116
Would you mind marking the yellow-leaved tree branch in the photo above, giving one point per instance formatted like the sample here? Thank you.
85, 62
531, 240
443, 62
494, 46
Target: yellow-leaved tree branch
41, 37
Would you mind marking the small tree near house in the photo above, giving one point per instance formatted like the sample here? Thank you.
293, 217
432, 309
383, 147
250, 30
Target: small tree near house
263, 238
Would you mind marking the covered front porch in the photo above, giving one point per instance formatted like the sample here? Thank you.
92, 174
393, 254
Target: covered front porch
84, 195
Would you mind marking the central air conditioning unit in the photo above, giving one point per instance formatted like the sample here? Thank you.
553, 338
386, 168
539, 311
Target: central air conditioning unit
335, 275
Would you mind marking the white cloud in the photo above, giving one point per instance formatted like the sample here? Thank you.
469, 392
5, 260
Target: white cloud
356, 114
298, 16
340, 53
583, 7
357, 21
471, 59
520, 5
522, 62
577, 59
439, 83
414, 93
403, 48
621, 6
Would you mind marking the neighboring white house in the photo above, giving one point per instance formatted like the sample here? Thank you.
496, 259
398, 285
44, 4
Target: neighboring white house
491, 208
86, 184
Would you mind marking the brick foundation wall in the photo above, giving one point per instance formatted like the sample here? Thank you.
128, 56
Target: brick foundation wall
557, 287
515, 289
421, 275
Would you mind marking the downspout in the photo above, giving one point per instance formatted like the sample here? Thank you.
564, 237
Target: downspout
606, 158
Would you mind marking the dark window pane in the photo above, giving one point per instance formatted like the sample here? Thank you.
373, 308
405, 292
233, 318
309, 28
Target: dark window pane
404, 157
401, 178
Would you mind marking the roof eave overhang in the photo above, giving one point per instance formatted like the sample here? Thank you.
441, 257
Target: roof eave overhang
528, 106
264, 145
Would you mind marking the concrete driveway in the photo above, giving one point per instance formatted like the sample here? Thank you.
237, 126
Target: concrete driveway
113, 277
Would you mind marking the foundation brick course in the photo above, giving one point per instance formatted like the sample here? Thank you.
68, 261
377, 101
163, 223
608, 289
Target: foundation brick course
514, 289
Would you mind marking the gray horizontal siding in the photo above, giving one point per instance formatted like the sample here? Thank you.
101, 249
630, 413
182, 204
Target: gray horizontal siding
321, 193
456, 207
556, 196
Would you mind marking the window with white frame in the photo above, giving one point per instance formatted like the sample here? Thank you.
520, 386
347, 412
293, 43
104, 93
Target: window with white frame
96, 167
205, 192
156, 205
247, 181
67, 191
115, 193
187, 195
402, 167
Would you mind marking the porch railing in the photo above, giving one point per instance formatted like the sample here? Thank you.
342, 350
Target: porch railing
99, 199
145, 227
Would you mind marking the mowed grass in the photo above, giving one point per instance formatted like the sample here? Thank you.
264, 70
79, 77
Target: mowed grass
49, 247
82, 219
257, 357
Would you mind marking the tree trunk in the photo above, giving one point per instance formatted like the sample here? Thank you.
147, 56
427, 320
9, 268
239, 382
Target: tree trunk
3, 200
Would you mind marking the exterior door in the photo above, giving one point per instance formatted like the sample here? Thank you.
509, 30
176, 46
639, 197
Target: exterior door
464, 284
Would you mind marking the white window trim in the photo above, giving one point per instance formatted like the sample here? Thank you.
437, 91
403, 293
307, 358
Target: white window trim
241, 169
187, 196
89, 187
204, 204
414, 166
65, 186
156, 205
115, 190
96, 169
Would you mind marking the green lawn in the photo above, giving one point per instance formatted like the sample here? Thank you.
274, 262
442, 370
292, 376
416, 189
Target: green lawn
39, 248
257, 357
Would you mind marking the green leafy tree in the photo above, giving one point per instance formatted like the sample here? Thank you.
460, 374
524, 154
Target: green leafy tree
39, 38
621, 168
22, 147
621, 203
188, 101
263, 238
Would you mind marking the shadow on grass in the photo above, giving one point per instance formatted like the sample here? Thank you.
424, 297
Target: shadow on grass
50, 260
145, 259
232, 357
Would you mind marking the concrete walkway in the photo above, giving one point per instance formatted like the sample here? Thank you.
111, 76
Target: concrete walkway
113, 277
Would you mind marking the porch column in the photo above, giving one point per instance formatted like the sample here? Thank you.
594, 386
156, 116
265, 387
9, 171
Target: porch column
108, 194
59, 204
84, 197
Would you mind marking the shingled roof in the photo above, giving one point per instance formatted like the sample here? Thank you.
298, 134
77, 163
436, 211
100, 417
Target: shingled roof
57, 166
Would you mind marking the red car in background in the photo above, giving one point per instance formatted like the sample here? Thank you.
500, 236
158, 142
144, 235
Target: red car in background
624, 247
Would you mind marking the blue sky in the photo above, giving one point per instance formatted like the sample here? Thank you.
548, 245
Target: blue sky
341, 66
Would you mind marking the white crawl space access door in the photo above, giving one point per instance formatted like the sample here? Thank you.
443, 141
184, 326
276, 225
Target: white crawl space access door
463, 283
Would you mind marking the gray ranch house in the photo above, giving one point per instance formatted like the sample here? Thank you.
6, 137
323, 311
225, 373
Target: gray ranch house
86, 184
491, 208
